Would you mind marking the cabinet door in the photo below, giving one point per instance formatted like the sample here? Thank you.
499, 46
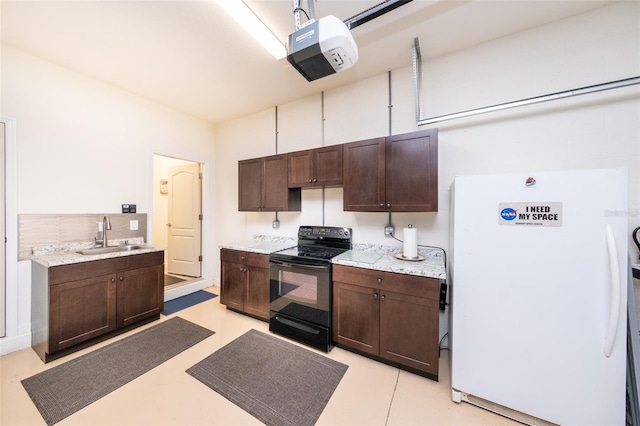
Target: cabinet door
140, 294
250, 185
275, 191
355, 317
327, 165
81, 310
232, 284
364, 175
412, 171
409, 331
300, 169
256, 300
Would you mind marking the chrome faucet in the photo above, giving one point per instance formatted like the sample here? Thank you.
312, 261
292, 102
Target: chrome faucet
106, 226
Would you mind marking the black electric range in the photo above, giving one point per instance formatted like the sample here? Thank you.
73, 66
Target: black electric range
300, 285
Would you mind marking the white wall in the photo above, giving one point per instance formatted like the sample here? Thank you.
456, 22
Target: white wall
591, 131
83, 146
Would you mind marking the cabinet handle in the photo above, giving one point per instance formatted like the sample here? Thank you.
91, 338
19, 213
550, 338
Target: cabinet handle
381, 205
310, 180
375, 295
242, 258
388, 205
315, 180
382, 297
379, 280
121, 278
113, 280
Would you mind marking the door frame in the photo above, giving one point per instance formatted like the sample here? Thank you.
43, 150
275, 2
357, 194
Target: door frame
11, 288
206, 215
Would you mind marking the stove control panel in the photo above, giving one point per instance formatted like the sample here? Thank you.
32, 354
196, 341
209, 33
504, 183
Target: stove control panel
324, 232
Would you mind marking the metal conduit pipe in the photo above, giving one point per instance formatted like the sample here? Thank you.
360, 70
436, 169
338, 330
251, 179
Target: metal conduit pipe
390, 106
417, 80
276, 223
323, 119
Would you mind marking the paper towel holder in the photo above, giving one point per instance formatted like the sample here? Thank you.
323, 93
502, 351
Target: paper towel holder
417, 256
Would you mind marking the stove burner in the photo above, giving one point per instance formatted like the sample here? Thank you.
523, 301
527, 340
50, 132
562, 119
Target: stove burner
317, 244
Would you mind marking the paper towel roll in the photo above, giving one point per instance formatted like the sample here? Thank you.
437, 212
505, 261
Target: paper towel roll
410, 249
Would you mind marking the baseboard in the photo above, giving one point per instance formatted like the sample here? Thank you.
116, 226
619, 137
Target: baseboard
185, 289
14, 343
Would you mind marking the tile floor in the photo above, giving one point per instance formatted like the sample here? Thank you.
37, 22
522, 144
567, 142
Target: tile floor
370, 393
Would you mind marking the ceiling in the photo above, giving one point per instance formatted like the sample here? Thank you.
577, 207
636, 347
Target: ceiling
191, 56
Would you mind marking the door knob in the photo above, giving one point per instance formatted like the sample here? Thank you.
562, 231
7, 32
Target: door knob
169, 225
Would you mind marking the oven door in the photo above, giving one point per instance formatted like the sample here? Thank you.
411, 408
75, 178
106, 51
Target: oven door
301, 291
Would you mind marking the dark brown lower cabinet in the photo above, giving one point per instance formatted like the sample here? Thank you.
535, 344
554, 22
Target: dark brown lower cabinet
244, 282
390, 317
139, 295
73, 304
81, 310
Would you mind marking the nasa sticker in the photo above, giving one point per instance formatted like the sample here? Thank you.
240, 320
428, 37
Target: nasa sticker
530, 214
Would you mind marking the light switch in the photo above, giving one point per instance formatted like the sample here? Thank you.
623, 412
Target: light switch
133, 225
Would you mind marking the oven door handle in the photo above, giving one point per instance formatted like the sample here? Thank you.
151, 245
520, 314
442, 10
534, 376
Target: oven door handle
297, 265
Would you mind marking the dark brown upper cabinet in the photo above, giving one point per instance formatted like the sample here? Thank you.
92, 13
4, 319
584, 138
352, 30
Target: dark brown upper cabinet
397, 173
262, 185
364, 175
315, 167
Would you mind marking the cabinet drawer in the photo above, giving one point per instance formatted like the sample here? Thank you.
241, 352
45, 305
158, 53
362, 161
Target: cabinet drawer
245, 258
78, 271
400, 283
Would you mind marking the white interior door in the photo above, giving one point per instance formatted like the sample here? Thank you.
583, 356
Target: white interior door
3, 299
185, 223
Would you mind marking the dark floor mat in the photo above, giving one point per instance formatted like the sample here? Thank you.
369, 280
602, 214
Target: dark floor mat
180, 303
62, 390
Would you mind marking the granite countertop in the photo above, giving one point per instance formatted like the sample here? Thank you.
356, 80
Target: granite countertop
264, 244
381, 258
66, 254
366, 256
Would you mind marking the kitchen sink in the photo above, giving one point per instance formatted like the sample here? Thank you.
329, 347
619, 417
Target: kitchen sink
110, 249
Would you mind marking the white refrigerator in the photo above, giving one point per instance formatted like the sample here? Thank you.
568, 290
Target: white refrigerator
539, 295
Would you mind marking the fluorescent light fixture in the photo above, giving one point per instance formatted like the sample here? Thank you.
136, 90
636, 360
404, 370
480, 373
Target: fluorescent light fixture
244, 16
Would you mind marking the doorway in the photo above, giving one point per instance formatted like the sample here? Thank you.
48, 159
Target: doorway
177, 217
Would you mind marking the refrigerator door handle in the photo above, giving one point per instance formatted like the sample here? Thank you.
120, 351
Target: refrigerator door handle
614, 311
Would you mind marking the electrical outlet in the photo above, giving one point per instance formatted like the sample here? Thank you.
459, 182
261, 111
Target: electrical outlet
275, 224
99, 226
389, 230
133, 225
